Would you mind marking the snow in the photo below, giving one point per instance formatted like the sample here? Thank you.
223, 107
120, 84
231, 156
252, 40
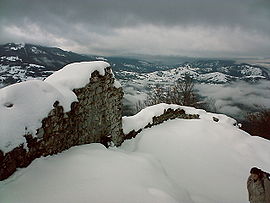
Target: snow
144, 117
35, 66
256, 77
35, 50
117, 84
16, 47
26, 104
91, 173
10, 58
69, 78
141, 119
211, 160
215, 77
60, 54
172, 75
175, 74
20, 73
184, 161
100, 58
251, 71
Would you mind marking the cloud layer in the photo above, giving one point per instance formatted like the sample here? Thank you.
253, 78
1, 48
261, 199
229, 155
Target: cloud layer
237, 98
113, 27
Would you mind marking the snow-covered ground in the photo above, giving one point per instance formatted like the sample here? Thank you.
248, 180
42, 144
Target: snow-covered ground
186, 161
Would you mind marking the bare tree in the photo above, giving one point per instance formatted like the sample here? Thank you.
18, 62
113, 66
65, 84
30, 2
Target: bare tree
181, 93
158, 95
184, 92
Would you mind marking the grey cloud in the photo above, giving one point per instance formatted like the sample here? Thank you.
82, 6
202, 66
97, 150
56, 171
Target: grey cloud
238, 98
128, 12
85, 23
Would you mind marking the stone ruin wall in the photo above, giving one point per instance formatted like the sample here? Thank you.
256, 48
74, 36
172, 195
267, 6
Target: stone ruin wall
96, 117
167, 115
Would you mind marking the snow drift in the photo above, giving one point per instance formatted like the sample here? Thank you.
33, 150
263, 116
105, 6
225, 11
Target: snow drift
185, 161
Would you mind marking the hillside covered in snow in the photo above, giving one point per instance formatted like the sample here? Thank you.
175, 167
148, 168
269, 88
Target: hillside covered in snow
235, 88
21, 62
205, 72
184, 161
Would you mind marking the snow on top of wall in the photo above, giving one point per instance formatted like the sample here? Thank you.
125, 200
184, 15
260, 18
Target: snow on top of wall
24, 105
70, 78
145, 116
22, 108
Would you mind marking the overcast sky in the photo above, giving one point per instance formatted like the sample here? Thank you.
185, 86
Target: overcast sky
206, 28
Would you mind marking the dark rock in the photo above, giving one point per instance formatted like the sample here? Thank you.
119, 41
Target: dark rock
215, 119
56, 104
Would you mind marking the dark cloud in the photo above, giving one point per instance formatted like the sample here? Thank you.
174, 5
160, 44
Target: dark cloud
130, 12
80, 24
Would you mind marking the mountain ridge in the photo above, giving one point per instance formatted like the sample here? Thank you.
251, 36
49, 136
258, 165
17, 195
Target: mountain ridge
20, 62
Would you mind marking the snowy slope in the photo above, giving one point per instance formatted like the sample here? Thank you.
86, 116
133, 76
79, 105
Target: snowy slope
185, 161
210, 161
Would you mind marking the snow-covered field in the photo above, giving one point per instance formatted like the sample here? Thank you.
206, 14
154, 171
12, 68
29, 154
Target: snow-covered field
186, 161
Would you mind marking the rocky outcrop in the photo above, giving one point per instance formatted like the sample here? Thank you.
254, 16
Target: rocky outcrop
96, 117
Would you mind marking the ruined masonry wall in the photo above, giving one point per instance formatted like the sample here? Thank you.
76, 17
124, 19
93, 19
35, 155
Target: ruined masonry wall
96, 117
167, 115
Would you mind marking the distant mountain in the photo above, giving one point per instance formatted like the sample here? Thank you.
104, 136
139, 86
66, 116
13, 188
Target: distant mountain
212, 71
203, 71
218, 73
228, 69
20, 62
